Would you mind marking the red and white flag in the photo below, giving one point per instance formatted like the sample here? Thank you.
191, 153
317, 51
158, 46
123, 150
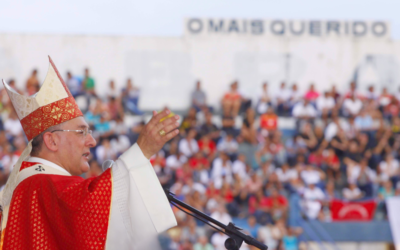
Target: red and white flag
353, 211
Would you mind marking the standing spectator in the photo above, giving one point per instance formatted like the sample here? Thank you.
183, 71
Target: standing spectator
32, 84
130, 97
74, 85
188, 146
88, 83
313, 196
199, 99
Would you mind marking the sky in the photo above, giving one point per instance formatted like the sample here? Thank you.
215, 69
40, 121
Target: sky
165, 17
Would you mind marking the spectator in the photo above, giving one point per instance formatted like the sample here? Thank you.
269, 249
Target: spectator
199, 99
221, 170
252, 226
325, 104
389, 169
269, 121
88, 83
203, 244
352, 192
371, 95
311, 95
218, 241
228, 145
295, 96
248, 131
304, 111
239, 167
112, 91
282, 100
312, 198
105, 151
364, 122
32, 84
352, 106
233, 100
190, 120
74, 85
176, 159
264, 103
188, 146
209, 128
130, 98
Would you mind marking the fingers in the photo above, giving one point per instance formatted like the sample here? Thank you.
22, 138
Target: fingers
157, 117
171, 135
168, 125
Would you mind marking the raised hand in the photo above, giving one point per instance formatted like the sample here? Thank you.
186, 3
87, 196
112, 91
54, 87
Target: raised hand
155, 134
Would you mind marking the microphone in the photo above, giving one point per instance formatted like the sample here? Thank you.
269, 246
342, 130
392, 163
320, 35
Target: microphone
107, 164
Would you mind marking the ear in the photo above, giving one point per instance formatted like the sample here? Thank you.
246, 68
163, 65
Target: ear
52, 141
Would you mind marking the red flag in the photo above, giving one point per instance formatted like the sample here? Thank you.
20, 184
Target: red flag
353, 211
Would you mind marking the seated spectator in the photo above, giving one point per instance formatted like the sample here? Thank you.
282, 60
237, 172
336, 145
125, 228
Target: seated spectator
130, 97
290, 241
203, 244
282, 100
353, 91
259, 207
277, 204
221, 215
74, 85
332, 165
335, 95
312, 175
392, 109
312, 199
8, 160
254, 183
199, 98
364, 122
234, 100
384, 99
32, 84
228, 145
265, 101
207, 147
252, 226
115, 108
198, 159
189, 121
221, 170
218, 241
248, 131
12, 126
103, 127
311, 95
112, 91
188, 146
210, 129
105, 152
269, 120
352, 106
304, 111
239, 167
371, 95
389, 169
386, 191
286, 174
295, 96
325, 104
176, 159
352, 192
228, 124
201, 173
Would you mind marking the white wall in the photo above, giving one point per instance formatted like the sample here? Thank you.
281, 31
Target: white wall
166, 68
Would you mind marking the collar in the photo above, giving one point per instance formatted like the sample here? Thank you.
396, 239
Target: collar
47, 163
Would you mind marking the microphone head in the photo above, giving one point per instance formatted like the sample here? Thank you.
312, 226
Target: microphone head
107, 164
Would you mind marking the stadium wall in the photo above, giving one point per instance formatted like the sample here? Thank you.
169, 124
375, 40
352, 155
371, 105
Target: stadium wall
166, 67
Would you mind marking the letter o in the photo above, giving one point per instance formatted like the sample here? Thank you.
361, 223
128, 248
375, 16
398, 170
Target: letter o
195, 25
377, 32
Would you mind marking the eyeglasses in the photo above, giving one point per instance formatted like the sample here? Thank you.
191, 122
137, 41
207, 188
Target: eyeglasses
84, 132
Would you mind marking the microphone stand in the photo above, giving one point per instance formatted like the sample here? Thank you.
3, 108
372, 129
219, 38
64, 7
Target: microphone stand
236, 237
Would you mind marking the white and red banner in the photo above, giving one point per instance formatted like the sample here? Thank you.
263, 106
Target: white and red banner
352, 211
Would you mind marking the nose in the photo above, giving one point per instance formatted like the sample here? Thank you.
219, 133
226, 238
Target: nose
90, 141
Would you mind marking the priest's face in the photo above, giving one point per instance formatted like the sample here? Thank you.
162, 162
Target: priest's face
75, 150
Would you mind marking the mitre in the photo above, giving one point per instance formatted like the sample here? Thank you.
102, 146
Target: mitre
52, 105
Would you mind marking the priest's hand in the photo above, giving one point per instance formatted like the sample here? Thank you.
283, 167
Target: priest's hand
155, 134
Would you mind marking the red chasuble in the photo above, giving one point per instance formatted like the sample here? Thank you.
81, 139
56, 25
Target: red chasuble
50, 211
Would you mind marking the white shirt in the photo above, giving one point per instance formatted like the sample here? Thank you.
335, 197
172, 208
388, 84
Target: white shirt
219, 170
239, 168
300, 110
311, 205
310, 176
354, 107
290, 174
388, 170
218, 241
172, 161
186, 150
283, 94
351, 194
325, 103
13, 126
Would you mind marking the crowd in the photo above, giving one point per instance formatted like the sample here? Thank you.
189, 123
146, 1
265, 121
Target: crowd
343, 146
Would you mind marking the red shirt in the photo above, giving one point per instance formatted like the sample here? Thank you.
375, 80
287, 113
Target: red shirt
210, 145
280, 200
194, 162
269, 121
253, 204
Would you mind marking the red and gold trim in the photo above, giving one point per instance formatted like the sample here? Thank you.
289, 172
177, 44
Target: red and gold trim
50, 115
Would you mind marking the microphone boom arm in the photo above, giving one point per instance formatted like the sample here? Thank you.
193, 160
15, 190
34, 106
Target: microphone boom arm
236, 237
